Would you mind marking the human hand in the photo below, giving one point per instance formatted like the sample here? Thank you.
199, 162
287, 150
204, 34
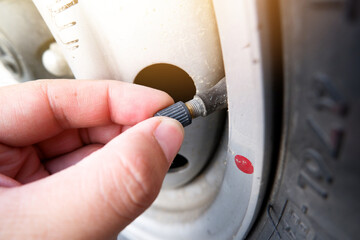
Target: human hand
78, 160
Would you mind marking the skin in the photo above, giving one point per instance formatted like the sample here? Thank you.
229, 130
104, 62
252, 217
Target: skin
81, 159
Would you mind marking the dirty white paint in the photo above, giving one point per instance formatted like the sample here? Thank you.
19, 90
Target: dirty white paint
128, 35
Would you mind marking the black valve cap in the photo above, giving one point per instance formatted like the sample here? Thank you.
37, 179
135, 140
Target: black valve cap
177, 111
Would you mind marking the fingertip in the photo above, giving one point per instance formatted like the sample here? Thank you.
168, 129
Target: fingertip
169, 134
137, 103
168, 100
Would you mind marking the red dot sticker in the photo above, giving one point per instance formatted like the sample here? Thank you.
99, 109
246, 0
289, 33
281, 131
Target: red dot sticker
244, 164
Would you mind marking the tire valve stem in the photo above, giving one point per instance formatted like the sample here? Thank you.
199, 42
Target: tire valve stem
202, 104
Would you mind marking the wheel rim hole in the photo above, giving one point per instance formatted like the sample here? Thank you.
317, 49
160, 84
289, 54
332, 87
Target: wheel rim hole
168, 78
180, 162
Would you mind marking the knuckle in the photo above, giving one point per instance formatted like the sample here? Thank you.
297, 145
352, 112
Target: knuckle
140, 185
134, 186
134, 174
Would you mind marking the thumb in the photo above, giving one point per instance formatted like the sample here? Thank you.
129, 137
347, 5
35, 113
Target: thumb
99, 196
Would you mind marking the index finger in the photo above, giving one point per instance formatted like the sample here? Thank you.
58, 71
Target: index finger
34, 111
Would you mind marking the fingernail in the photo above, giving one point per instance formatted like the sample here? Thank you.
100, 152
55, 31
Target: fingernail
169, 135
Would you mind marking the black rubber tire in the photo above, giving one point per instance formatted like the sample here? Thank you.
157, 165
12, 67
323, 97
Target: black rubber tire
315, 194
25, 37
